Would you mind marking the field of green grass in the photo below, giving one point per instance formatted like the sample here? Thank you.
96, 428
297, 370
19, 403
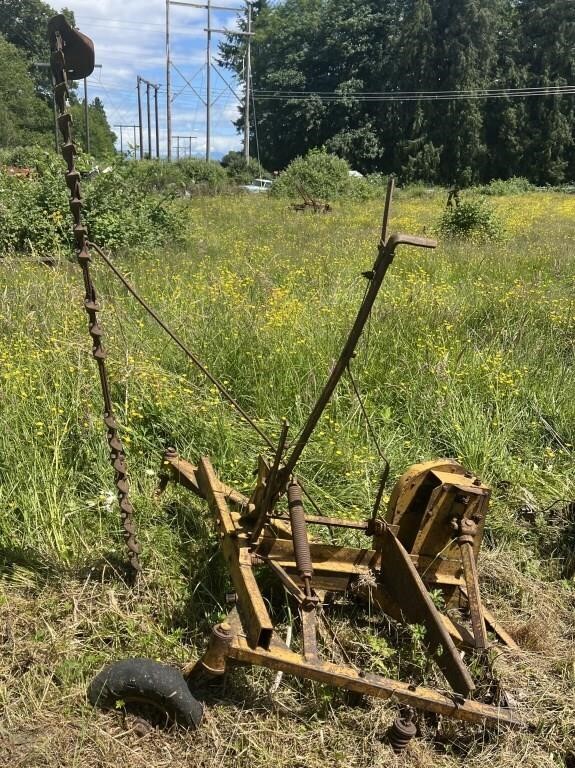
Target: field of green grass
469, 354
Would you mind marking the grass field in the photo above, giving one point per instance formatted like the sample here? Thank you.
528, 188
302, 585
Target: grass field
469, 354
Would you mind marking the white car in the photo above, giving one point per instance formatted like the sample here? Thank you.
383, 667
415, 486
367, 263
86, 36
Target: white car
257, 185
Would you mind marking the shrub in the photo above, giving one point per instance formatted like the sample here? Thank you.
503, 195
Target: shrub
156, 176
471, 219
240, 172
319, 174
120, 212
515, 186
202, 177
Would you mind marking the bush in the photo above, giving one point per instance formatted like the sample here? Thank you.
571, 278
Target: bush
318, 174
191, 176
202, 177
120, 212
34, 212
471, 220
156, 176
240, 172
515, 186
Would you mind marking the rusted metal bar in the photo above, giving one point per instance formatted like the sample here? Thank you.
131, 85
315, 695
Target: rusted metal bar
267, 501
467, 529
185, 473
382, 264
281, 658
309, 631
332, 522
236, 549
495, 626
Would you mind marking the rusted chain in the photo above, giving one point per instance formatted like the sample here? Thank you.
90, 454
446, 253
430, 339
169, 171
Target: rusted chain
117, 453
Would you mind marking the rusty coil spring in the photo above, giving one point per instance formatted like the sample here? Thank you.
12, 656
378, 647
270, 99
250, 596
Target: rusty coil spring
299, 530
401, 732
117, 453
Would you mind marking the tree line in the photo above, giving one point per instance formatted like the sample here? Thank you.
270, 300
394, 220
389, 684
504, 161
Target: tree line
328, 54
26, 115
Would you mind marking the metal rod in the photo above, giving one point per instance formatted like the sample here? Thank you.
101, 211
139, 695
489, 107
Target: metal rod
382, 264
149, 121
267, 501
387, 208
222, 390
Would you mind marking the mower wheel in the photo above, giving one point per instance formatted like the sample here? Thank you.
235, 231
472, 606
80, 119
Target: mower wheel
145, 687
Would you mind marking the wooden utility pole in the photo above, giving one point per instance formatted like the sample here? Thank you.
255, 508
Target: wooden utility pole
149, 86
133, 127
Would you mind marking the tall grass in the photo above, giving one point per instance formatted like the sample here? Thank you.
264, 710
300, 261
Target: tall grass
468, 354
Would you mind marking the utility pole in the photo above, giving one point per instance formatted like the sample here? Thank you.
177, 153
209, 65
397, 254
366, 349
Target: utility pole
133, 127
189, 138
248, 85
156, 88
157, 122
208, 82
87, 111
140, 120
149, 121
208, 6
168, 82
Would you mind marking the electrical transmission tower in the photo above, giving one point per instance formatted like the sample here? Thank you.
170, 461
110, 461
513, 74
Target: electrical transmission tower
207, 102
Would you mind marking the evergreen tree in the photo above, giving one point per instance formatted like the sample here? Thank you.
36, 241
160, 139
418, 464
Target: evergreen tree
24, 23
346, 48
548, 43
102, 138
416, 156
24, 118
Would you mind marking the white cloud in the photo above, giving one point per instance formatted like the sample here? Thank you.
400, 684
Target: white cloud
129, 39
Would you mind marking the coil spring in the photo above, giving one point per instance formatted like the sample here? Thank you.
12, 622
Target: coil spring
299, 531
401, 732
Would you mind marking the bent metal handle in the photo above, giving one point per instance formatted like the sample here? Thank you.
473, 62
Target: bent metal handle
382, 264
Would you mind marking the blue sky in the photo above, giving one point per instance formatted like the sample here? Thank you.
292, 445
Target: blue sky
129, 37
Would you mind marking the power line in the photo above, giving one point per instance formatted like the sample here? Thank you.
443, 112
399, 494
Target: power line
511, 93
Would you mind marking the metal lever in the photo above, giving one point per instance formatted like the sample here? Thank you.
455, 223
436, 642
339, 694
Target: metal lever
382, 264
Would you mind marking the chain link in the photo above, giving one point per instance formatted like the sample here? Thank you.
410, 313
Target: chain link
117, 453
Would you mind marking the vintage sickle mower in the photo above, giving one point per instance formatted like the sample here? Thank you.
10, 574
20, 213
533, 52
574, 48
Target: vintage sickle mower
429, 538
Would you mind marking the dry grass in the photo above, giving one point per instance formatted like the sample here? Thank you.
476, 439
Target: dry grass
51, 631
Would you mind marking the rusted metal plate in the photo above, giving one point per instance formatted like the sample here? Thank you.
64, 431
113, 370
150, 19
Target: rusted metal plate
405, 587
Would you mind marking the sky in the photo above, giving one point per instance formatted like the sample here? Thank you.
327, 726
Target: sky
130, 40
